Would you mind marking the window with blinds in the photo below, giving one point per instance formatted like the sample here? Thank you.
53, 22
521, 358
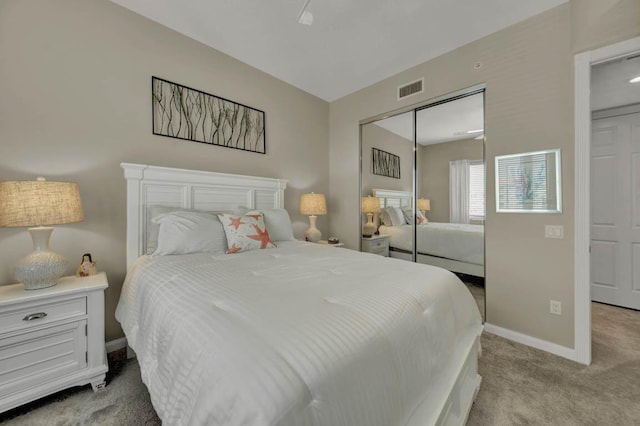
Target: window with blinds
476, 190
528, 182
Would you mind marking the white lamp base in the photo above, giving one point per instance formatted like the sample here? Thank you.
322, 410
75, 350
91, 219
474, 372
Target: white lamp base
369, 228
312, 234
42, 267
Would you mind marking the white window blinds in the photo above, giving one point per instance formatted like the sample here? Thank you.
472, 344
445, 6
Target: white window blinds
476, 190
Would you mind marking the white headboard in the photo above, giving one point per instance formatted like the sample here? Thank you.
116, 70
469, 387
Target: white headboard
190, 189
393, 198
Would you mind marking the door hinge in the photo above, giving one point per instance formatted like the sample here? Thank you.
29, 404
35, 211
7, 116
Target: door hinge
86, 357
86, 329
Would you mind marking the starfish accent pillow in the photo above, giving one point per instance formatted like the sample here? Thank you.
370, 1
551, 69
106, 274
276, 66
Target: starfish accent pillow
245, 233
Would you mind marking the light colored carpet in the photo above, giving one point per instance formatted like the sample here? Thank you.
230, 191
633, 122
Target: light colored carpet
521, 386
526, 386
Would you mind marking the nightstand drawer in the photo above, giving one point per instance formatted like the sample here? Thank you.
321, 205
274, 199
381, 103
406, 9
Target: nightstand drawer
383, 251
30, 359
378, 244
39, 313
375, 245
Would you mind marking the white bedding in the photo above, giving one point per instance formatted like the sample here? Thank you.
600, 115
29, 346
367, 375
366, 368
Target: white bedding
303, 334
457, 241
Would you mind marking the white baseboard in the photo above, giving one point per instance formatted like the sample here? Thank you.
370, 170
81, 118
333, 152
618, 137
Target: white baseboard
114, 345
534, 342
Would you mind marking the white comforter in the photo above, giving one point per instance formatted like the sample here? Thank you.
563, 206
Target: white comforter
303, 334
457, 241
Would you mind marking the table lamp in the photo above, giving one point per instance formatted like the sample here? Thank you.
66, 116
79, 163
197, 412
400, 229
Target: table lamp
370, 205
424, 205
313, 205
36, 204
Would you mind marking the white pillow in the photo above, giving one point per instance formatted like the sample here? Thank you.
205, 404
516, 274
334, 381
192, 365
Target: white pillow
185, 232
396, 216
385, 218
278, 223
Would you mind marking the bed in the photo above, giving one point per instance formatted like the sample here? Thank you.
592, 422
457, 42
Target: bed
458, 247
300, 334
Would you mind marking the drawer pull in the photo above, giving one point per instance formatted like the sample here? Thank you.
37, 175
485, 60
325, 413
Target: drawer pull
34, 316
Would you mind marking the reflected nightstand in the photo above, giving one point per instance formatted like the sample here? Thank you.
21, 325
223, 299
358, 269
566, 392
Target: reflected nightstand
377, 244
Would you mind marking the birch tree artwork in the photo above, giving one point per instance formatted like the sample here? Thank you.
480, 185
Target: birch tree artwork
385, 164
184, 113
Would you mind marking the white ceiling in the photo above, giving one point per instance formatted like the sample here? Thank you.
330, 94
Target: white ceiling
610, 85
446, 122
351, 44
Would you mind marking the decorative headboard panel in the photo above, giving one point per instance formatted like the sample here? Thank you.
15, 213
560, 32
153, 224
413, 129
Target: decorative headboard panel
393, 198
149, 186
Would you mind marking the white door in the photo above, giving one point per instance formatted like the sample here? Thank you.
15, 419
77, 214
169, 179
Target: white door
615, 211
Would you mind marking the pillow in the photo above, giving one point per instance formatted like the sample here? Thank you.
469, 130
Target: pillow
396, 216
245, 233
185, 232
385, 218
153, 228
277, 222
420, 219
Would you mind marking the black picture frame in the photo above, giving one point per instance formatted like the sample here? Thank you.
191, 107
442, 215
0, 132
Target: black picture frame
384, 163
185, 113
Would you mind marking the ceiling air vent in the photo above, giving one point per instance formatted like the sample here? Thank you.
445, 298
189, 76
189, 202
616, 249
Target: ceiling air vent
409, 89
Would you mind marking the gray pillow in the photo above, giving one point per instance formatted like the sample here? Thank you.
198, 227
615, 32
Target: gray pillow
278, 224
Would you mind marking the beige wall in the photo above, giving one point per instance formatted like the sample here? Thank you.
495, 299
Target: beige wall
374, 136
433, 172
528, 72
75, 78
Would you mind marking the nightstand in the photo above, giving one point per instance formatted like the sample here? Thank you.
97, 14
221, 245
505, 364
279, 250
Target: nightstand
377, 244
325, 242
51, 339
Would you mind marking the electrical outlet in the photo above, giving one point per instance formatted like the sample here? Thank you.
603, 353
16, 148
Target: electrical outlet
555, 307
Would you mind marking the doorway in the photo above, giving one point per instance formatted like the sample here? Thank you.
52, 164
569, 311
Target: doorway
583, 117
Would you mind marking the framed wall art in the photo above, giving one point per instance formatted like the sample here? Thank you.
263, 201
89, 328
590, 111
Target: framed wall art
384, 163
529, 182
193, 115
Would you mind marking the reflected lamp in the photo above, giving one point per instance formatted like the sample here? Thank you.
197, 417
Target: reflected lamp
313, 205
424, 205
37, 204
370, 205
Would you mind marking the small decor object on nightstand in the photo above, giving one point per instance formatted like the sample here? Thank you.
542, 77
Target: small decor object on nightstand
87, 267
333, 240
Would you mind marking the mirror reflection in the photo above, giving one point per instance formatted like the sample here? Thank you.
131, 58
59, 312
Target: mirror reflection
387, 180
446, 221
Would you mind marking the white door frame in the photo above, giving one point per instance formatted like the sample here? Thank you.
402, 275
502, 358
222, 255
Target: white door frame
582, 290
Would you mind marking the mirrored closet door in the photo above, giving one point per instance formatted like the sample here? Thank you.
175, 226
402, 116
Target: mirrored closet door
387, 183
423, 186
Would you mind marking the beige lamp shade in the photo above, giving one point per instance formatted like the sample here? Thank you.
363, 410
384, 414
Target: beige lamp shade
313, 204
424, 204
39, 203
370, 204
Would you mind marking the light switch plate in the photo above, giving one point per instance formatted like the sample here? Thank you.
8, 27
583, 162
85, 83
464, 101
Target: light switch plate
554, 231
